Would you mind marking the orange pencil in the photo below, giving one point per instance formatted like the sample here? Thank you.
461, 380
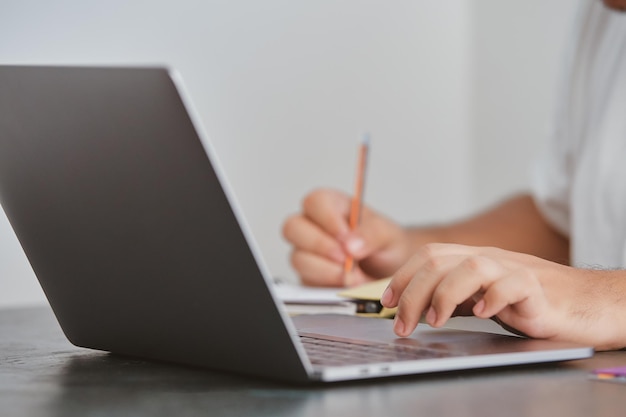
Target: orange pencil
357, 198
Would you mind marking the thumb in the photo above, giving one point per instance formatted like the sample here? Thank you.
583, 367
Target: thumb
355, 245
374, 233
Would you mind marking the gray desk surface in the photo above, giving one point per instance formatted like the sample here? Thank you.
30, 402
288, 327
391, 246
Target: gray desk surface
41, 374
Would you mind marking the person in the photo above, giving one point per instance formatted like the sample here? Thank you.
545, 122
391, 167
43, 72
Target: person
547, 263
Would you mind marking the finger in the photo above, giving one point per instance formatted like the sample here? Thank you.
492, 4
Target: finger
328, 209
398, 283
514, 289
417, 294
428, 257
316, 270
308, 237
472, 275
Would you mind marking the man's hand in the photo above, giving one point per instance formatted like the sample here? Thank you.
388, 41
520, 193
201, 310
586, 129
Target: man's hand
533, 296
322, 239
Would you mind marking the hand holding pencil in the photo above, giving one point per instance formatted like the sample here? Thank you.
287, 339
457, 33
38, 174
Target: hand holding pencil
337, 241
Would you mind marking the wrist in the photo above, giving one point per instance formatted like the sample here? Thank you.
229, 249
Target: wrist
599, 308
611, 320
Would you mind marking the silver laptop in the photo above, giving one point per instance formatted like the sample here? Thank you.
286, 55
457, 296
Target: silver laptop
131, 228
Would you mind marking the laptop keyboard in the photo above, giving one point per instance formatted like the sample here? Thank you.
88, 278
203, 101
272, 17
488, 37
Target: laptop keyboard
340, 353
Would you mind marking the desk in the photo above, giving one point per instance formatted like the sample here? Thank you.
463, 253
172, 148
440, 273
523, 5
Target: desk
42, 374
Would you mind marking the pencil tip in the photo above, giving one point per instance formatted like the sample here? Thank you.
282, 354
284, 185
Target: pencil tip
366, 139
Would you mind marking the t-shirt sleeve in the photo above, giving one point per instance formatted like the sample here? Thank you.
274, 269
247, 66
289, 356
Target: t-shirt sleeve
553, 171
551, 185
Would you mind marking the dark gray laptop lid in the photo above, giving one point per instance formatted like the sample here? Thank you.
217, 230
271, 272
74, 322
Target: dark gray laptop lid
126, 225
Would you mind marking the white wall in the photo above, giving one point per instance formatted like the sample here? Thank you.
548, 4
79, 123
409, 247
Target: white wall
285, 88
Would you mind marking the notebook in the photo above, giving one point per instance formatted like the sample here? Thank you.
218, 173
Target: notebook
129, 223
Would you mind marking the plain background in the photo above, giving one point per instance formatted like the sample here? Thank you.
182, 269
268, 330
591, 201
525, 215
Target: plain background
457, 96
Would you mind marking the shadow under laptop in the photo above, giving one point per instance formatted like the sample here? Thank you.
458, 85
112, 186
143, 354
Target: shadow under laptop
107, 384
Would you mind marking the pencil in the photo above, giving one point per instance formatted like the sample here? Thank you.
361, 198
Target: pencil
357, 197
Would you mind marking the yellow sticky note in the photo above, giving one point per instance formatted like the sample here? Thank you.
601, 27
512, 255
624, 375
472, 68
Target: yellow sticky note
372, 291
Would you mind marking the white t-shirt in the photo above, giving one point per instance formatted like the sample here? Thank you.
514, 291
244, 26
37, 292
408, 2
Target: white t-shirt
579, 183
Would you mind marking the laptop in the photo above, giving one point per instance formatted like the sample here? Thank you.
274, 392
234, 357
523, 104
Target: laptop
136, 238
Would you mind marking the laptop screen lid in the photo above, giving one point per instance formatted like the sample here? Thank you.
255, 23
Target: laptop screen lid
122, 214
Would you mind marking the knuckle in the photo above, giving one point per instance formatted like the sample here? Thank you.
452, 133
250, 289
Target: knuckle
475, 263
288, 226
427, 251
432, 265
297, 260
528, 277
429, 254
309, 202
312, 199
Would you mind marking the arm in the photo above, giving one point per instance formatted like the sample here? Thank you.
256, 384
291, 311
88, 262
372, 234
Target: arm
321, 238
515, 224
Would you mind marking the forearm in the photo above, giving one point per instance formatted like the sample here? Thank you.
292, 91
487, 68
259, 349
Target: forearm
515, 225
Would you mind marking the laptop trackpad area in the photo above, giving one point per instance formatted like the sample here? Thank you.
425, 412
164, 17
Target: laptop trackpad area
458, 342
